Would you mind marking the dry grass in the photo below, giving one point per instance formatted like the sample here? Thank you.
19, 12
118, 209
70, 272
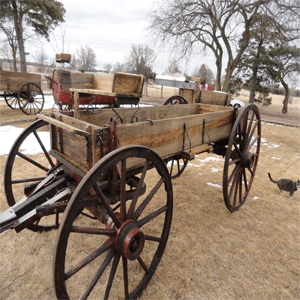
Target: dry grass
276, 106
211, 253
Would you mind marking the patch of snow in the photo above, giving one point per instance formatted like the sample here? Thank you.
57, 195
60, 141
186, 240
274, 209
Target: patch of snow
255, 198
275, 158
210, 158
215, 170
214, 185
273, 146
30, 146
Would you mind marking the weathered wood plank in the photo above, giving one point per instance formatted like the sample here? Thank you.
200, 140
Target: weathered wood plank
64, 126
168, 137
124, 83
215, 98
12, 81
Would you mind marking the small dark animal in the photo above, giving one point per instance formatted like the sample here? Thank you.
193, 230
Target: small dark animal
286, 185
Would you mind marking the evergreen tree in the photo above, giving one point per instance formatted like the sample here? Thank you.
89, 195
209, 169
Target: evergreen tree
40, 15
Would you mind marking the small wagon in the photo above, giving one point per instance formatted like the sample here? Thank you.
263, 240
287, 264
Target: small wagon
22, 90
109, 173
126, 89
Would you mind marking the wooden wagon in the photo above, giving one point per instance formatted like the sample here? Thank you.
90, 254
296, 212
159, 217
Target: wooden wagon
90, 91
22, 90
110, 173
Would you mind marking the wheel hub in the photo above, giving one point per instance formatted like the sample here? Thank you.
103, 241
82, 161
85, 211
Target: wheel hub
247, 159
130, 240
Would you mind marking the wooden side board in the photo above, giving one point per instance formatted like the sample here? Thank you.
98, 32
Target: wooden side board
171, 136
12, 81
168, 130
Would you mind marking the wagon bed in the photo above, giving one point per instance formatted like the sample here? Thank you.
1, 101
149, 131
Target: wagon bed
165, 129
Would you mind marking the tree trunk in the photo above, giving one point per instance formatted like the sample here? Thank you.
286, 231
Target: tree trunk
286, 96
253, 84
18, 19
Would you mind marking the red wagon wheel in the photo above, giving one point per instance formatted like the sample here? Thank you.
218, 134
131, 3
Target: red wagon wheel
116, 255
31, 98
34, 169
241, 157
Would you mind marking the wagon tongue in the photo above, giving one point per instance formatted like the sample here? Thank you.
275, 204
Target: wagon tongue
24, 213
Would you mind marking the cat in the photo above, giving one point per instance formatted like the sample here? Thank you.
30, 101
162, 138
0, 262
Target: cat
287, 185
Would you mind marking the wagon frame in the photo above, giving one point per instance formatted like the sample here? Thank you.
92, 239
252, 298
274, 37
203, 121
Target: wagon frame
101, 169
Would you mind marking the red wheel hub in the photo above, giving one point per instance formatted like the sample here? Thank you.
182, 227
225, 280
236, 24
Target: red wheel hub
130, 240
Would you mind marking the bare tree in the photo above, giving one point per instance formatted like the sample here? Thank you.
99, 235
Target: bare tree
205, 72
107, 68
7, 28
41, 58
218, 25
118, 67
85, 59
141, 60
173, 66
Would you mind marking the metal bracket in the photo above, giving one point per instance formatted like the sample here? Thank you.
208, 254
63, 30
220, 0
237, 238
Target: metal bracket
119, 117
203, 131
134, 116
185, 132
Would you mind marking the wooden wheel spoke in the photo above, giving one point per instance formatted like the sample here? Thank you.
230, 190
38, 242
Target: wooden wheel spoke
104, 247
245, 180
143, 205
112, 274
100, 271
151, 216
234, 183
125, 276
44, 149
250, 135
103, 200
240, 187
31, 161
138, 190
234, 161
93, 231
172, 164
252, 173
233, 174
123, 191
142, 263
237, 148
153, 238
252, 143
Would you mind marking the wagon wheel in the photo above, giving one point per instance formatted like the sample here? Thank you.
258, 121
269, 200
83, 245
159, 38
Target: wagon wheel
134, 230
174, 100
176, 166
14, 180
31, 98
241, 157
11, 100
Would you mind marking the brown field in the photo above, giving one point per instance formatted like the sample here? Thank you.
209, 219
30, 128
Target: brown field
211, 253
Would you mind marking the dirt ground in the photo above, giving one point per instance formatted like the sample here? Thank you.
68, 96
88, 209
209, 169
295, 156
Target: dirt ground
253, 253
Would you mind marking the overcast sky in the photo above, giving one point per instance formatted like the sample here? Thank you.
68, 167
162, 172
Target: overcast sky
110, 28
